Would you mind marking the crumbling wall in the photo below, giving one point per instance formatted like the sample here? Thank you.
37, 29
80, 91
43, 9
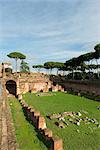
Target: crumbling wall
38, 121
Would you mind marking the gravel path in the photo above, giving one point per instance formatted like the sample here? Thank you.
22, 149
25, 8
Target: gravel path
7, 133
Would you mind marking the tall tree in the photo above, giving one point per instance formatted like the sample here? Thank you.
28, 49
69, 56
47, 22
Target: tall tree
97, 55
24, 67
16, 56
71, 65
52, 65
59, 66
38, 67
87, 57
49, 66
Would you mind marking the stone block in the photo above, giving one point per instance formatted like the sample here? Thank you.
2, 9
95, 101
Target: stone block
21, 101
20, 97
36, 114
57, 144
34, 90
48, 132
18, 91
45, 89
55, 116
54, 88
41, 123
23, 104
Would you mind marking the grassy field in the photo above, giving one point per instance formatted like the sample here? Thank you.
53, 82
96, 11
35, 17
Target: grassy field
27, 137
88, 135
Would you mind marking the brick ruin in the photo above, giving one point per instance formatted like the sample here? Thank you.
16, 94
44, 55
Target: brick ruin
21, 83
38, 121
86, 88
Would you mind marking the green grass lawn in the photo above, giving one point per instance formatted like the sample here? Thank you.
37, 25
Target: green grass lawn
88, 137
25, 132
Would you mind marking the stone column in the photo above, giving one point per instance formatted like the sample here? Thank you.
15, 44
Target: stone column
48, 133
57, 144
17, 88
20, 97
41, 123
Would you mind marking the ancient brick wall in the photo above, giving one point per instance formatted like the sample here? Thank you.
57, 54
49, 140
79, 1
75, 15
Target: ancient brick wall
39, 122
92, 87
34, 83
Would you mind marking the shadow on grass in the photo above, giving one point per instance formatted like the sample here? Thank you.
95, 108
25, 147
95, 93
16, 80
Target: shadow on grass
41, 137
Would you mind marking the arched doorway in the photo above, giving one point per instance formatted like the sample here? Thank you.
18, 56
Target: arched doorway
50, 89
11, 87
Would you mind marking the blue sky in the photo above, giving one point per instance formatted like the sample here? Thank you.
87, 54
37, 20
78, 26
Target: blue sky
48, 30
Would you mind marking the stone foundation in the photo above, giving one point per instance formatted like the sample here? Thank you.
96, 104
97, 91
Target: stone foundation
39, 122
57, 144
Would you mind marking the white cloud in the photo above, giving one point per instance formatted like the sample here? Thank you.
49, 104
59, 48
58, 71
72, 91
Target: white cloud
61, 54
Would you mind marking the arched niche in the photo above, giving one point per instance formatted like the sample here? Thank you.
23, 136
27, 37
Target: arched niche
11, 87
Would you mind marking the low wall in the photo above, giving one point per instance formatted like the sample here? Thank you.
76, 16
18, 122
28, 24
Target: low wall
88, 88
35, 117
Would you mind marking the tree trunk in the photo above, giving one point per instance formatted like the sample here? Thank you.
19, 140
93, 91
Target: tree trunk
57, 72
73, 73
63, 73
16, 64
38, 70
50, 71
89, 70
97, 68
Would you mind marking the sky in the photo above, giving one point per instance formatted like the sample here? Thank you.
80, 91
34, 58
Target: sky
48, 30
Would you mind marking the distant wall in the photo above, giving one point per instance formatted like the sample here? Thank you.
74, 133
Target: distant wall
33, 82
91, 88
83, 86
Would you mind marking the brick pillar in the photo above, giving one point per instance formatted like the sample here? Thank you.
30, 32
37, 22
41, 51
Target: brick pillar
20, 97
41, 123
36, 114
48, 133
57, 144
22, 103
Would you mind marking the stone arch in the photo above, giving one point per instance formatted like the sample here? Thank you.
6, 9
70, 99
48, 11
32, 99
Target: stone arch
50, 89
11, 87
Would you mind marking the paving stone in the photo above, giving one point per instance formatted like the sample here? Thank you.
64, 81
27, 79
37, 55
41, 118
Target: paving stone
7, 132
